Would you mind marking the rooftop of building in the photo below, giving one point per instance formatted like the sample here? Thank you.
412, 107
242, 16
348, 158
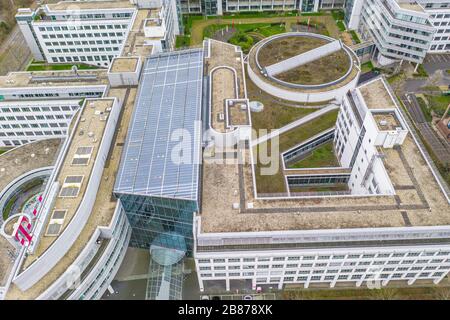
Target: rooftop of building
229, 205
89, 5
135, 45
104, 205
225, 68
7, 258
410, 5
54, 78
376, 95
13, 164
326, 73
124, 64
168, 103
386, 121
73, 177
28, 157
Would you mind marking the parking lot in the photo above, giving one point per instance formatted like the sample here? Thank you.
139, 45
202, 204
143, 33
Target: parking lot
436, 58
437, 61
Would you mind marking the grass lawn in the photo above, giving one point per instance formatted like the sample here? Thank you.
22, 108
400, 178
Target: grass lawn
340, 25
395, 78
58, 67
421, 72
264, 29
322, 70
367, 66
355, 36
321, 157
2, 151
424, 108
195, 25
338, 15
276, 113
275, 183
182, 41
7, 209
438, 103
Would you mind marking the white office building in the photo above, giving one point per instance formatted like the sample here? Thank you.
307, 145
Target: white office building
390, 227
94, 32
89, 32
401, 30
41, 106
439, 12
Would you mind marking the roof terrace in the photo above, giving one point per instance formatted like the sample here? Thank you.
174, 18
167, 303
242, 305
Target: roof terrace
75, 172
376, 95
104, 205
89, 5
54, 78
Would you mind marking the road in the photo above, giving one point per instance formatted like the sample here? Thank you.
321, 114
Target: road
441, 147
436, 66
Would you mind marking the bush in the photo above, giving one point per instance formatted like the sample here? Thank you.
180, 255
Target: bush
421, 72
340, 25
338, 15
243, 40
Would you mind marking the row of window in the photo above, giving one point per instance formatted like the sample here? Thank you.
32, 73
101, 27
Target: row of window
37, 117
38, 109
83, 27
31, 133
329, 277
97, 59
326, 257
314, 270
86, 35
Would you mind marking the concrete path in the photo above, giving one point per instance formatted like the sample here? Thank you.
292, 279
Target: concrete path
295, 124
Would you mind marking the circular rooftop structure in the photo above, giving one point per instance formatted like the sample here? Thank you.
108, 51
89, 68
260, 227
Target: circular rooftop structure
304, 67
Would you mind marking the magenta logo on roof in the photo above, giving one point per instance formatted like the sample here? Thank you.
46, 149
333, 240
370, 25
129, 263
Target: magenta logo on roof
18, 228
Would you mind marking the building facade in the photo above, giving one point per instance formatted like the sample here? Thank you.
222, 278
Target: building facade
73, 32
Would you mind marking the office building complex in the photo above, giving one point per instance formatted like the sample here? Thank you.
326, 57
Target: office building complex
218, 7
174, 152
94, 32
389, 224
30, 109
401, 30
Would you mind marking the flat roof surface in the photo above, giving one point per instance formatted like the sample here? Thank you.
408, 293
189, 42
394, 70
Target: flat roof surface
104, 205
53, 78
7, 253
85, 5
224, 67
124, 64
87, 133
376, 95
251, 58
23, 159
168, 102
386, 120
135, 43
418, 199
410, 5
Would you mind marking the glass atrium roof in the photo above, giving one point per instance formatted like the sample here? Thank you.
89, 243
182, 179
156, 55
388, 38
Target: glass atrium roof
162, 152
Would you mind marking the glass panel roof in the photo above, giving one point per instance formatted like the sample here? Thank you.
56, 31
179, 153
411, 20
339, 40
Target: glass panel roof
161, 154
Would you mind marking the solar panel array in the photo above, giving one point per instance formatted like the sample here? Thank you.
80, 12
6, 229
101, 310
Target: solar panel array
169, 100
